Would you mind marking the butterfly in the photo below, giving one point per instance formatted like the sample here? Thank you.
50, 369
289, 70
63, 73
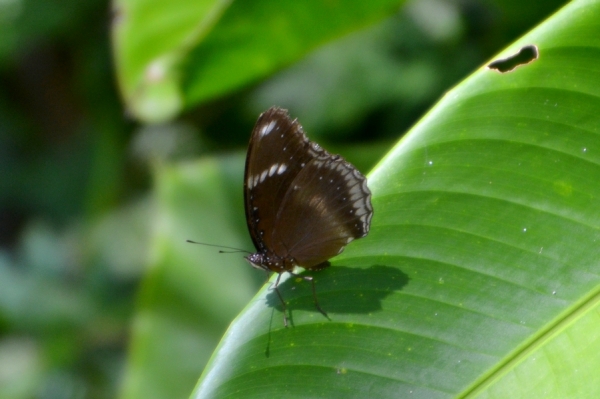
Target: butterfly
303, 205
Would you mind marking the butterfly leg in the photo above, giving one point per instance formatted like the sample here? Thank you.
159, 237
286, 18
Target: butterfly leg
284, 308
314, 291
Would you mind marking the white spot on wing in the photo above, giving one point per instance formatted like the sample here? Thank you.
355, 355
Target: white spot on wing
282, 168
263, 176
273, 169
266, 129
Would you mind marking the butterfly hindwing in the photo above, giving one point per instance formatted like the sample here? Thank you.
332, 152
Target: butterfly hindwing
332, 207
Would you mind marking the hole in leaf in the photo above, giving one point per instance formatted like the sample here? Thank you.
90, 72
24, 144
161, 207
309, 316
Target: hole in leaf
526, 55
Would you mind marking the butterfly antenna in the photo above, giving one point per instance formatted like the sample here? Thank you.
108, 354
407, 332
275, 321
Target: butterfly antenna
233, 250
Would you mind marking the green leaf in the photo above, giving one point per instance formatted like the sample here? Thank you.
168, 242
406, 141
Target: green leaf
172, 55
480, 275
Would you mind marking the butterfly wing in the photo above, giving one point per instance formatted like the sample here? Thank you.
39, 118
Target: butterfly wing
276, 154
327, 205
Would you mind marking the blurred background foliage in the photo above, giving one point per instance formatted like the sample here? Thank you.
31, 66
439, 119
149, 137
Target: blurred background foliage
77, 199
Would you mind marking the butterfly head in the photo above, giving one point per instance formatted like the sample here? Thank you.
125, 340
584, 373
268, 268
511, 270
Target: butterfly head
264, 261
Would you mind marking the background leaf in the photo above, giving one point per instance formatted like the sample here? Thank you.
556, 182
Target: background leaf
178, 319
192, 58
482, 262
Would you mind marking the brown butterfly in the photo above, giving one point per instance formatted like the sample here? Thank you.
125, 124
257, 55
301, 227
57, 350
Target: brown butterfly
303, 205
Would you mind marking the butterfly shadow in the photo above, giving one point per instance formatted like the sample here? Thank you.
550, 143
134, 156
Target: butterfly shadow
339, 290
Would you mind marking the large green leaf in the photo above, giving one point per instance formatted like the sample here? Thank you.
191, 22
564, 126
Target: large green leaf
172, 55
481, 272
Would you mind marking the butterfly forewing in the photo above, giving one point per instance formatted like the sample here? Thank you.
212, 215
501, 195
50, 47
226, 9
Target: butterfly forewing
276, 154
